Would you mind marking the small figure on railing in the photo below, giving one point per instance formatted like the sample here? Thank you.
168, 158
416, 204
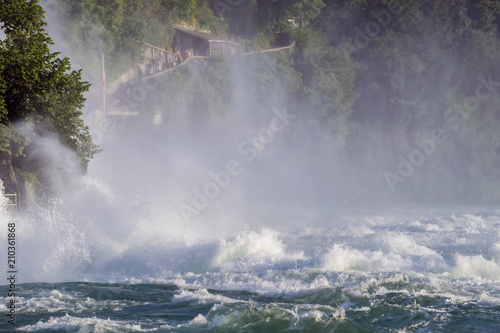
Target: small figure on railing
177, 56
159, 65
151, 67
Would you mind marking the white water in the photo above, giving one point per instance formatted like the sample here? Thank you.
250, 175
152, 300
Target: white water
460, 245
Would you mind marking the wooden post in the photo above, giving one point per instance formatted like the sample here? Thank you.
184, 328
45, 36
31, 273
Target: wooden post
103, 86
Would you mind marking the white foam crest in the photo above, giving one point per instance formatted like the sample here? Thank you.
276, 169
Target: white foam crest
46, 304
298, 317
388, 251
85, 325
222, 320
199, 320
484, 298
475, 267
318, 313
57, 301
270, 283
473, 224
201, 296
342, 258
252, 249
369, 284
265, 244
302, 318
405, 245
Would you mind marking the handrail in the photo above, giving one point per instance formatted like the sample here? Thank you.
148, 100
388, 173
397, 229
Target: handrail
168, 70
245, 53
271, 50
185, 61
155, 47
11, 201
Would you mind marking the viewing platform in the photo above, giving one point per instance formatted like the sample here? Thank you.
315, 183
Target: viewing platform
189, 45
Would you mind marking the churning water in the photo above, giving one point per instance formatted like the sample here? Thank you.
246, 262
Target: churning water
407, 270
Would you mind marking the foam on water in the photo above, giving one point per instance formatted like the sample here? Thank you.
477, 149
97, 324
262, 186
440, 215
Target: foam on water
56, 302
475, 267
252, 252
160, 247
85, 325
200, 296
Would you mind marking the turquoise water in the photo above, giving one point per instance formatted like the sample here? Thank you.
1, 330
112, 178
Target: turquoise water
414, 271
394, 303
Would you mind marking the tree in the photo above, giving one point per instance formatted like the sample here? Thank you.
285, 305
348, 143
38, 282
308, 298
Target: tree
112, 27
185, 8
39, 93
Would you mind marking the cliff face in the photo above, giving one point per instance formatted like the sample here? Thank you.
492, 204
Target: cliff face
19, 192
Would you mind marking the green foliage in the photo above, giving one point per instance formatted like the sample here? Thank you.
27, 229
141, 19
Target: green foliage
271, 80
112, 27
207, 82
185, 8
328, 80
207, 20
204, 92
254, 18
426, 60
39, 93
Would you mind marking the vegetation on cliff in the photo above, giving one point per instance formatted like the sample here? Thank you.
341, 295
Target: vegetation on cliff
39, 92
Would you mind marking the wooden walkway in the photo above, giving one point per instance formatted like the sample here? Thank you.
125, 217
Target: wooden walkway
161, 51
155, 53
277, 49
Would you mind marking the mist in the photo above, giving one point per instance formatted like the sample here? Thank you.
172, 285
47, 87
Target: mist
367, 157
235, 164
309, 163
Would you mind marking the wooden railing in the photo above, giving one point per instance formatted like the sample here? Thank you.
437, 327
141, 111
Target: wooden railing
11, 200
289, 48
161, 51
185, 61
168, 70
166, 56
